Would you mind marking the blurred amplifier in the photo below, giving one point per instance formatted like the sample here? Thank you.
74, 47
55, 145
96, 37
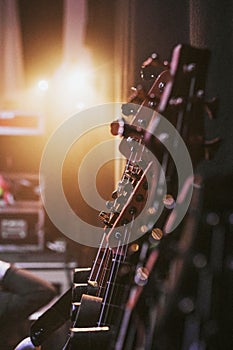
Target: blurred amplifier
21, 226
17, 122
23, 186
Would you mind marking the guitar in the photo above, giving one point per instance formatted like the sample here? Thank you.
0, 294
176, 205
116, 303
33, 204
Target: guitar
122, 267
143, 212
161, 273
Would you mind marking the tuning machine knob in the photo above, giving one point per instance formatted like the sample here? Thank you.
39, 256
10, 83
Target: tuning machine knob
189, 68
176, 102
104, 217
157, 234
141, 276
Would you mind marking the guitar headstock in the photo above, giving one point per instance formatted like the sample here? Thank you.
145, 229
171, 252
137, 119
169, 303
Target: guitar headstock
169, 124
183, 98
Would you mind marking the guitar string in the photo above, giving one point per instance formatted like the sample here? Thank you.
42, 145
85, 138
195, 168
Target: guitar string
106, 292
104, 271
107, 249
103, 241
112, 268
115, 269
101, 272
97, 257
104, 274
106, 252
165, 168
117, 259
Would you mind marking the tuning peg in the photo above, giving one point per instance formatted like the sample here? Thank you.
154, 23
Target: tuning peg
137, 92
176, 102
211, 107
189, 68
114, 194
169, 201
141, 276
211, 147
157, 234
104, 217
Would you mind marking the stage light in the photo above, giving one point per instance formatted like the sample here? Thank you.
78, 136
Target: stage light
80, 105
43, 85
72, 89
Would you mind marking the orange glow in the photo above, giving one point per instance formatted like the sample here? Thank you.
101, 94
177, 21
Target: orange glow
72, 89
